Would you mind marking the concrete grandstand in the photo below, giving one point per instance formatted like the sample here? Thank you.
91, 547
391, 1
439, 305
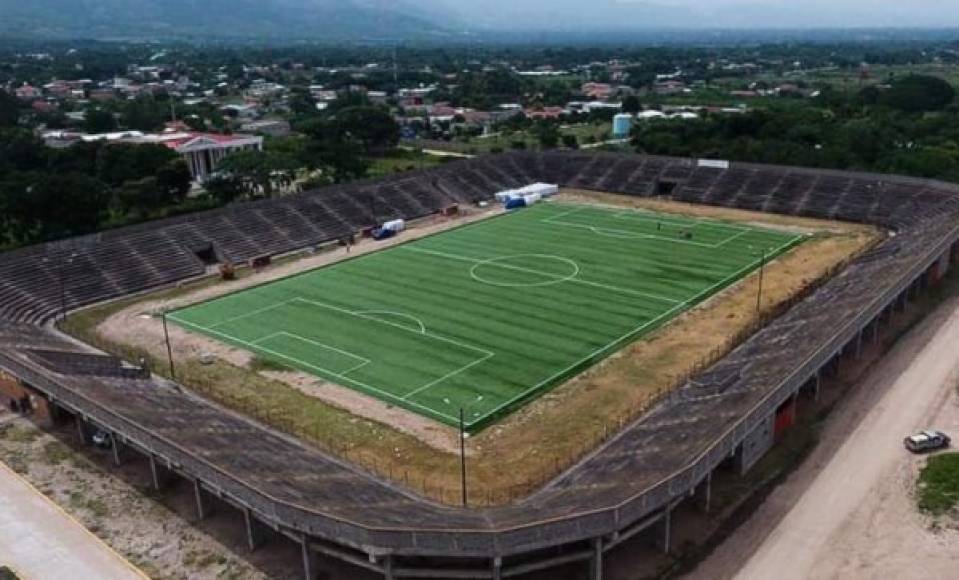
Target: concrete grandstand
628, 485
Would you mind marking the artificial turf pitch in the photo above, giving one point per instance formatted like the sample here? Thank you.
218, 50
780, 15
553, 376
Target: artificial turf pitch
485, 317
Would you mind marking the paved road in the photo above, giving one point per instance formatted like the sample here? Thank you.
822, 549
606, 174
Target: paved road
41, 542
848, 511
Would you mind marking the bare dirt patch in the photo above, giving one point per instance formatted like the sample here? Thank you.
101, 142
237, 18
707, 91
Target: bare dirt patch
524, 450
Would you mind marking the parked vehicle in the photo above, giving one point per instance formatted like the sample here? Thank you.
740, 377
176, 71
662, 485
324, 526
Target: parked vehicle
102, 439
926, 441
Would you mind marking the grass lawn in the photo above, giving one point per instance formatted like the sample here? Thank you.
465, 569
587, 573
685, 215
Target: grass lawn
485, 317
939, 483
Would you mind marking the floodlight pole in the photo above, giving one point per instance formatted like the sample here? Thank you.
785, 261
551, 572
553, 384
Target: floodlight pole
63, 291
169, 349
463, 458
762, 268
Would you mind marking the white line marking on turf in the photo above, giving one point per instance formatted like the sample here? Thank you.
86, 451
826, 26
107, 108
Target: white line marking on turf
392, 313
446, 376
537, 272
387, 322
628, 234
364, 361
736, 237
361, 384
556, 278
251, 313
486, 353
639, 329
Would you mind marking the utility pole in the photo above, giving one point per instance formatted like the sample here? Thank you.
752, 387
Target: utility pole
762, 267
169, 349
463, 458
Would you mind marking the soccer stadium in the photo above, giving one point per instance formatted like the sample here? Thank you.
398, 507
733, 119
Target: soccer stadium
485, 388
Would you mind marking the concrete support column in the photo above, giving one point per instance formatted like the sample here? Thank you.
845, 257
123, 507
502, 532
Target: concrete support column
115, 445
159, 474
858, 344
388, 567
875, 330
56, 413
496, 568
665, 527
81, 430
255, 534
203, 507
596, 560
310, 570
704, 495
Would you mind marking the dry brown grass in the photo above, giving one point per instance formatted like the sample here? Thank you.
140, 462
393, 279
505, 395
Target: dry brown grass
513, 457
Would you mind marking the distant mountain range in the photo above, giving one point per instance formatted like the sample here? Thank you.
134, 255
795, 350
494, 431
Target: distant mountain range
334, 20
445, 20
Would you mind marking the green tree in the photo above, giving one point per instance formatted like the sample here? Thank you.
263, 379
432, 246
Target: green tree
631, 104
547, 134
918, 93
9, 109
119, 162
570, 141
57, 205
99, 121
173, 181
373, 127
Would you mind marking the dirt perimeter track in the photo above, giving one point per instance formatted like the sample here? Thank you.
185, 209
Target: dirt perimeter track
848, 512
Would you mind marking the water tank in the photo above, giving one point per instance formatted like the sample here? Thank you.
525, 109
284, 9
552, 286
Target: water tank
622, 123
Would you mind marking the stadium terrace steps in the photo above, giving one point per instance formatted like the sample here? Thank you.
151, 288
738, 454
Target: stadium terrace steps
650, 464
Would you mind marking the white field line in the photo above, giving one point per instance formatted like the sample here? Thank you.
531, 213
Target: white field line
363, 360
736, 237
647, 215
642, 327
250, 313
361, 384
393, 324
696, 222
446, 376
486, 261
486, 354
626, 234
418, 322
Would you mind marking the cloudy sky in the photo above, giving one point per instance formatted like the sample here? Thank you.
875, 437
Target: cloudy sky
546, 14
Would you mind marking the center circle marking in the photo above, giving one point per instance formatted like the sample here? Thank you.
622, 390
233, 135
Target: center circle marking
498, 262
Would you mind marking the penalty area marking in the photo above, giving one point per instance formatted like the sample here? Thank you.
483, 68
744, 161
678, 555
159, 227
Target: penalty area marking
363, 360
363, 386
369, 313
626, 234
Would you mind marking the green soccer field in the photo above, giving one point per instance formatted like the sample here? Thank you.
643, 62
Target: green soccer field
485, 317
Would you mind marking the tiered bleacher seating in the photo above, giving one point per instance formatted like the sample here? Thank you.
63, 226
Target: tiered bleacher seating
148, 255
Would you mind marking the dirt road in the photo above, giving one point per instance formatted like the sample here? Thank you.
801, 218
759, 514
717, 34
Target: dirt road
848, 511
